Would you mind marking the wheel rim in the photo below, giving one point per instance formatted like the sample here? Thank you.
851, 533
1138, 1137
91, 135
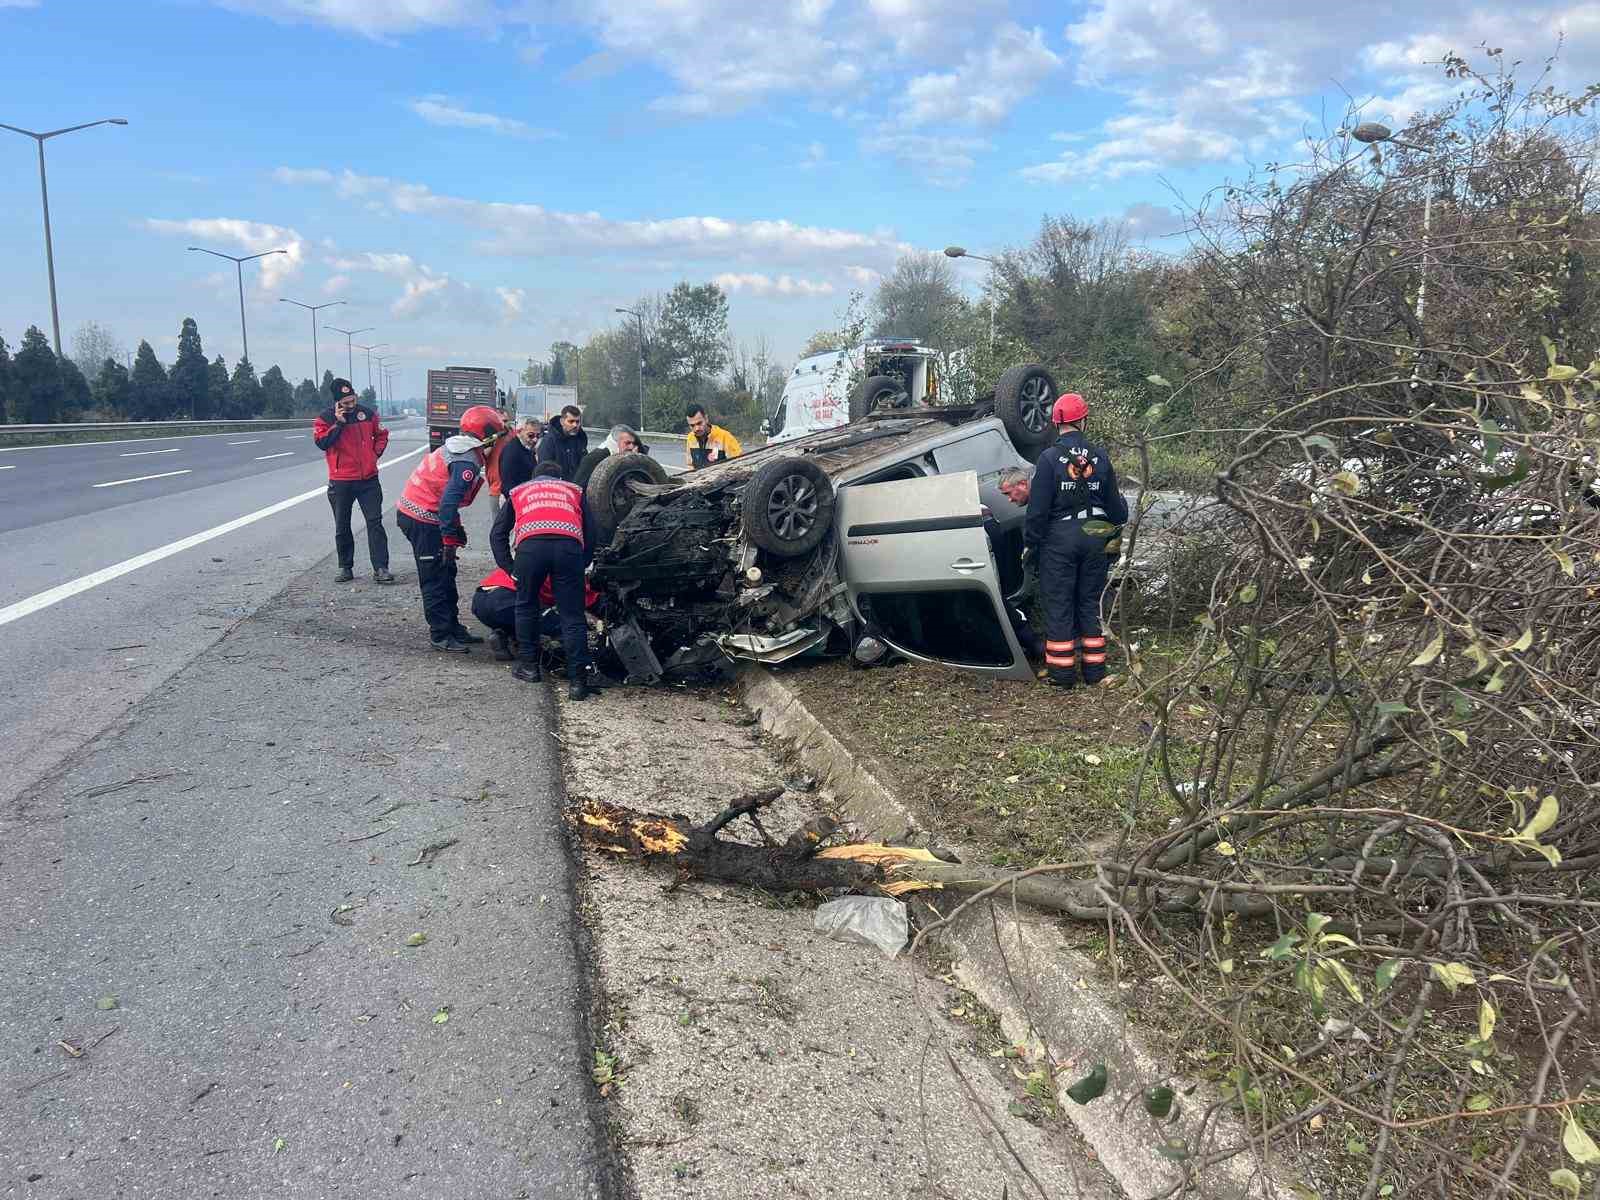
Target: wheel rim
1035, 403
879, 397
622, 496
792, 508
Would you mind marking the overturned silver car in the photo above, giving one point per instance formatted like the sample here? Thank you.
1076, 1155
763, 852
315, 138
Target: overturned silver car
881, 526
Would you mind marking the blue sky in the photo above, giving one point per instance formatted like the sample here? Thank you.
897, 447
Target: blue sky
477, 178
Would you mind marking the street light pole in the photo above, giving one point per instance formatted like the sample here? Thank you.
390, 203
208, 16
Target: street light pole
369, 350
349, 353
238, 262
963, 252
316, 366
640, 318
44, 198
382, 360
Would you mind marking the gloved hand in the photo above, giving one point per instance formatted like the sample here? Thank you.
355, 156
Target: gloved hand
449, 554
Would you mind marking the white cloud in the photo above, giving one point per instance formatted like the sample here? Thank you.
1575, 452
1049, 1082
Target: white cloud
378, 18
535, 230
335, 284
765, 285
984, 89
816, 156
1208, 82
292, 175
417, 293
511, 300
251, 237
944, 161
1146, 221
19, 3
441, 110
863, 276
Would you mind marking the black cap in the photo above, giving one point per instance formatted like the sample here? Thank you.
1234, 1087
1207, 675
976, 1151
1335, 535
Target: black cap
342, 388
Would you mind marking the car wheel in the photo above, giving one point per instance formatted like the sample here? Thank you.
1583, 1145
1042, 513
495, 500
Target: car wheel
608, 495
788, 507
874, 392
590, 461
1023, 399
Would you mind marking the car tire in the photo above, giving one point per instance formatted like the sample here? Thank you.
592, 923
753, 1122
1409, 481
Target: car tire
590, 461
788, 507
608, 496
1022, 400
872, 392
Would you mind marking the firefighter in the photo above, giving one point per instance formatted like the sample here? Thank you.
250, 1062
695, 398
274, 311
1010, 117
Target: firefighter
547, 527
429, 515
495, 604
1074, 499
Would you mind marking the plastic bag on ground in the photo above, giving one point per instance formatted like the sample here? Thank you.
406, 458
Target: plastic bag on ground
874, 920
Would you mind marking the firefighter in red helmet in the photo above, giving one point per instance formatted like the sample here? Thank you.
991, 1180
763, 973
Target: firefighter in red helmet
428, 513
1073, 506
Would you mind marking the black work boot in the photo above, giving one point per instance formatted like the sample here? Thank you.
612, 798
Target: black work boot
463, 634
501, 645
528, 672
595, 680
578, 690
382, 575
345, 575
450, 644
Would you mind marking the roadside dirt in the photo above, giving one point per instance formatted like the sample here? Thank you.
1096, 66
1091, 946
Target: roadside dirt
744, 1054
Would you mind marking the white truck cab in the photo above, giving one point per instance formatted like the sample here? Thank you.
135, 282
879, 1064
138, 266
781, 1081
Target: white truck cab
888, 373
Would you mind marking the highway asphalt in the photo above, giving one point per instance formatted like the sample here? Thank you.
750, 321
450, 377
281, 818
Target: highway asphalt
201, 732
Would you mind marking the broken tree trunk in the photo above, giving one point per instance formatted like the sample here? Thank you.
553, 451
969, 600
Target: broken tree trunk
803, 863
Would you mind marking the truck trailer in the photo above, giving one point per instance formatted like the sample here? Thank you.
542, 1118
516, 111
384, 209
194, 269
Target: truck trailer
451, 392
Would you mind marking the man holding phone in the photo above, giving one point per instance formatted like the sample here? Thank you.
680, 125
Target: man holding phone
353, 438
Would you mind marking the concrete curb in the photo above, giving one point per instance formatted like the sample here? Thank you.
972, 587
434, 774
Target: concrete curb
1047, 995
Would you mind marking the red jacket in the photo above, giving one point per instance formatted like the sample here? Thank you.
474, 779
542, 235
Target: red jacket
354, 447
499, 578
546, 507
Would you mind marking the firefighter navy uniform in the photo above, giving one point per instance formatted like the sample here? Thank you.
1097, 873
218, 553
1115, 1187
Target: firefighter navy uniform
1073, 483
545, 531
429, 515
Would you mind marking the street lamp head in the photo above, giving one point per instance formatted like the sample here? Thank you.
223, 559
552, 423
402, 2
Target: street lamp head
118, 120
1371, 131
955, 251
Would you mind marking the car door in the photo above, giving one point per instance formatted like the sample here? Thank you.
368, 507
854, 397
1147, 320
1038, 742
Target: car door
915, 557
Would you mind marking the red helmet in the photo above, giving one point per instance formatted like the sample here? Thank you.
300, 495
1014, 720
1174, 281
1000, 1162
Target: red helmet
482, 422
1069, 408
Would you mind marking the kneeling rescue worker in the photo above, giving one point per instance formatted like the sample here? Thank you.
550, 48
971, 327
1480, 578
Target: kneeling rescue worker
547, 526
1074, 503
429, 514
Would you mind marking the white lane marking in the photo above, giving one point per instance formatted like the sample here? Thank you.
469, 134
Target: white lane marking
10, 468
292, 437
264, 457
65, 591
246, 442
142, 453
142, 478
171, 437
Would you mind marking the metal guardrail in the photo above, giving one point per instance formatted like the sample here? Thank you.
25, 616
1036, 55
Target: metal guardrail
79, 427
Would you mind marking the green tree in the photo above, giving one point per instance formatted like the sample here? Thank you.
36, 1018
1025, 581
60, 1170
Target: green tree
36, 392
277, 396
92, 345
369, 397
325, 397
218, 389
148, 400
691, 340
244, 392
5, 380
76, 398
112, 389
563, 363
306, 401
919, 300
190, 375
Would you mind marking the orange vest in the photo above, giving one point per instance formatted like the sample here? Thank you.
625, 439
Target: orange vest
544, 507
423, 491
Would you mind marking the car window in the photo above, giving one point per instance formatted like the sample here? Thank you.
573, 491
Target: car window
899, 471
955, 626
987, 453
